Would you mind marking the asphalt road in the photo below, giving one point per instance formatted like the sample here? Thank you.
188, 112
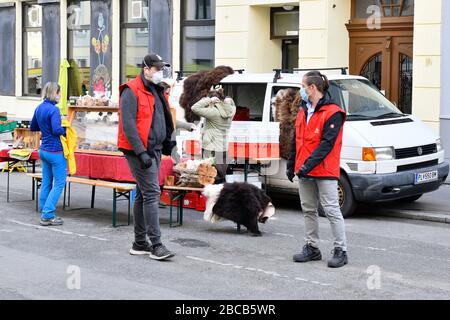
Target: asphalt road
389, 258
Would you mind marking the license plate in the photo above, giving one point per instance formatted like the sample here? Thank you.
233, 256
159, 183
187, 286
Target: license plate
426, 177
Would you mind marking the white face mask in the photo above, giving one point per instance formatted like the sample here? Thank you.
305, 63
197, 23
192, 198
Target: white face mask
158, 77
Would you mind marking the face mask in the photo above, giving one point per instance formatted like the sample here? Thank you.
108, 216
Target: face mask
158, 77
304, 94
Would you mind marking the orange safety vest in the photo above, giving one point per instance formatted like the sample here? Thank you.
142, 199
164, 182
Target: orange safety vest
144, 116
308, 137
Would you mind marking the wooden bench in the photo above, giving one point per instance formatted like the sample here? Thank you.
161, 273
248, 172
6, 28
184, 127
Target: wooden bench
178, 194
120, 190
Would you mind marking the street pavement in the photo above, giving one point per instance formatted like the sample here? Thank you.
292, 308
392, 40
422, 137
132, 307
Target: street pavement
86, 258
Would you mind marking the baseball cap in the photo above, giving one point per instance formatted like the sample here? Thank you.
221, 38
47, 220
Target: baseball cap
154, 59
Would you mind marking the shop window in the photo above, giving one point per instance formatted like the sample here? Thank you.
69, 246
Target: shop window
197, 35
32, 49
134, 37
7, 49
78, 33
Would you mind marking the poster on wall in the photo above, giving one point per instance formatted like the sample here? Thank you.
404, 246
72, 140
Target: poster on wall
101, 53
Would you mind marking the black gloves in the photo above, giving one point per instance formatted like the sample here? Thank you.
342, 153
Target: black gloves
168, 145
302, 172
146, 160
290, 174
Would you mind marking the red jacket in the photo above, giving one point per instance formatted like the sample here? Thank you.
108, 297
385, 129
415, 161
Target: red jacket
144, 117
317, 145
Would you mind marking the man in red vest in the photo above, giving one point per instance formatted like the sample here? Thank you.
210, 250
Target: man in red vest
145, 133
315, 159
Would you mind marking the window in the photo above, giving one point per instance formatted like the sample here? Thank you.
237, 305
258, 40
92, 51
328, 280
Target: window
79, 34
387, 8
248, 97
284, 24
197, 35
134, 37
32, 49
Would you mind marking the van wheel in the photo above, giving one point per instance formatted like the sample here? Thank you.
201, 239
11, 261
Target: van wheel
346, 200
410, 199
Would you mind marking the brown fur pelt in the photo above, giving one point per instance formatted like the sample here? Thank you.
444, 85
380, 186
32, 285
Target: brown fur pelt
286, 104
197, 86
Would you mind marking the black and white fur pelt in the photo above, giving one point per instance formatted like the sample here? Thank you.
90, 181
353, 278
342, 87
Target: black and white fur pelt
239, 202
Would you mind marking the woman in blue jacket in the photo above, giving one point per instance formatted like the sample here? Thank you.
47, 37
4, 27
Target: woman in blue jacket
47, 119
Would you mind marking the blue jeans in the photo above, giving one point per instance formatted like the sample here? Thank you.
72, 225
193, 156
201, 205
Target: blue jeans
54, 173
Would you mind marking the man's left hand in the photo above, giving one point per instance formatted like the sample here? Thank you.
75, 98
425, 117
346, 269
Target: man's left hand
302, 173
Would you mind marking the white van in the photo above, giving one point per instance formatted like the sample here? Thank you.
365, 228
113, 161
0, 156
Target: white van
386, 155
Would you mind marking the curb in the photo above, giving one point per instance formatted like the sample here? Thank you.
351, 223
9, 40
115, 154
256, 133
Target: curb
421, 216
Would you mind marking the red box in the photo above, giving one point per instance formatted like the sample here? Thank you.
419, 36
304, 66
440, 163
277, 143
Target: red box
190, 200
201, 204
165, 197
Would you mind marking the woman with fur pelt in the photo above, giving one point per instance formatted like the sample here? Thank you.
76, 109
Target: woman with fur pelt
218, 112
197, 86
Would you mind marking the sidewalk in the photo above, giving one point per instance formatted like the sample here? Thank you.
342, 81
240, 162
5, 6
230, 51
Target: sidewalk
434, 207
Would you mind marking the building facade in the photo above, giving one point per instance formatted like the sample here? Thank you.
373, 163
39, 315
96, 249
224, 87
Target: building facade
397, 44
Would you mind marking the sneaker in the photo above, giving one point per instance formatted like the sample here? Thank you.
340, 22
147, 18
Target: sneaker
160, 252
55, 221
140, 249
339, 258
308, 254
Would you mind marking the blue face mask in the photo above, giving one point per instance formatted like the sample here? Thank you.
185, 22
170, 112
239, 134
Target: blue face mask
304, 95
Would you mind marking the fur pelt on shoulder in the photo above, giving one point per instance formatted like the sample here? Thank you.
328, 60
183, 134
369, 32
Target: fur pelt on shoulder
286, 103
197, 86
239, 202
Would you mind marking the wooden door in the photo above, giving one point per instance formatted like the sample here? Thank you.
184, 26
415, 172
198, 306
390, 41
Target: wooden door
387, 62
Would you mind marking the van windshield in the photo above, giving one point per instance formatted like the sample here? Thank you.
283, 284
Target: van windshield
249, 100
362, 101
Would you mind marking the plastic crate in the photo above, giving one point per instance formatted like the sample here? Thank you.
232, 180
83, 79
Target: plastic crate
201, 203
190, 200
165, 197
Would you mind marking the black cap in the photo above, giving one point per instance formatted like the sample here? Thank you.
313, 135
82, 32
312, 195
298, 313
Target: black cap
153, 59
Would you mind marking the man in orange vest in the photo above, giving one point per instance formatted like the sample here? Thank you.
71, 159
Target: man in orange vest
145, 132
315, 159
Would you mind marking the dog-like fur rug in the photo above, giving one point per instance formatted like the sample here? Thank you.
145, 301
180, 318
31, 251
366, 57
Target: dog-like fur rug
240, 202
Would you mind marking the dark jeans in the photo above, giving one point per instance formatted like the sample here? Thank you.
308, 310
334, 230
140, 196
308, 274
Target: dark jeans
221, 163
146, 202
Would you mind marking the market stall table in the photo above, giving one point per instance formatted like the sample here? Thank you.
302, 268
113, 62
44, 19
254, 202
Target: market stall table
5, 157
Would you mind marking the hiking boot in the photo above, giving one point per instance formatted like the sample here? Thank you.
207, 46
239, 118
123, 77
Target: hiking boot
160, 252
140, 249
55, 221
308, 254
339, 258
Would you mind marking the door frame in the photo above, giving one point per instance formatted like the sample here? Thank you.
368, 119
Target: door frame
386, 41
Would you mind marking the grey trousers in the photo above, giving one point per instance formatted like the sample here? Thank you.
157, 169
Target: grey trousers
313, 191
146, 201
